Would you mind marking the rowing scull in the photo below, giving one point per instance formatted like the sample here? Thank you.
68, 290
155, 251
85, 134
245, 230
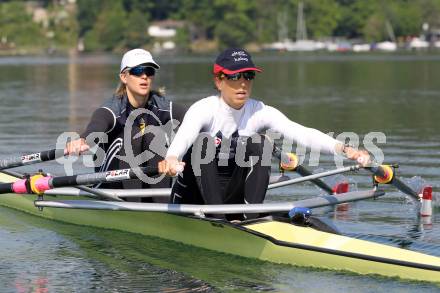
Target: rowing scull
268, 238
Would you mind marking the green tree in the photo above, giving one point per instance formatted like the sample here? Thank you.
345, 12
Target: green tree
322, 17
201, 16
374, 29
109, 30
18, 28
236, 25
406, 18
88, 11
63, 26
137, 25
430, 10
355, 16
274, 19
238, 36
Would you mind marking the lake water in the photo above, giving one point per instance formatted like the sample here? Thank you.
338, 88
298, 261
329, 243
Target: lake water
398, 95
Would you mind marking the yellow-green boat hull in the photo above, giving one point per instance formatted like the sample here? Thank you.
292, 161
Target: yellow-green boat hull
265, 239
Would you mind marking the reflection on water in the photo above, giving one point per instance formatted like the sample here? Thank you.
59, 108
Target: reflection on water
41, 97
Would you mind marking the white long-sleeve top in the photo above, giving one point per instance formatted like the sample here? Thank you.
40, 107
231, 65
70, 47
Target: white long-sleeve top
211, 115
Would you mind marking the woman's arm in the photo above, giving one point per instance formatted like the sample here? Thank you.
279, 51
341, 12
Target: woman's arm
178, 111
310, 137
195, 118
102, 121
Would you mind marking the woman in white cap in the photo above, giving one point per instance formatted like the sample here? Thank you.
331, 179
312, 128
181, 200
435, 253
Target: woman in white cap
136, 75
233, 117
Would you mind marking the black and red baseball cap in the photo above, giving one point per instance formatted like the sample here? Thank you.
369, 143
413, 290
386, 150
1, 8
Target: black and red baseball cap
234, 60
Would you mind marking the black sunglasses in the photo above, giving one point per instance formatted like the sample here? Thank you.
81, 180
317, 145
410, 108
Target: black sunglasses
248, 75
139, 70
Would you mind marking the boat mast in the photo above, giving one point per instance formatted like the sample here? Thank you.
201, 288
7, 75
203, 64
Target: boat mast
301, 32
388, 27
283, 33
390, 31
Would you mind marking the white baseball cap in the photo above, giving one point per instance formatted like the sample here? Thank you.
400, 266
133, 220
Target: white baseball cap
137, 57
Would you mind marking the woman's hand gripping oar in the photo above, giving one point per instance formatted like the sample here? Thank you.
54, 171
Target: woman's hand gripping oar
77, 147
27, 159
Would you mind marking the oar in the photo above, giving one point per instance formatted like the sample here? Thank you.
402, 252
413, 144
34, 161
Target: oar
145, 192
38, 183
27, 159
212, 209
90, 192
382, 174
315, 176
385, 174
300, 169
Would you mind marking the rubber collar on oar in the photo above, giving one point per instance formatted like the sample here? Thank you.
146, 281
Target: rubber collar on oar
34, 187
388, 175
289, 161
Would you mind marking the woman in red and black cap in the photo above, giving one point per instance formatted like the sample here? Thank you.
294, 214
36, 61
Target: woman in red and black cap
230, 168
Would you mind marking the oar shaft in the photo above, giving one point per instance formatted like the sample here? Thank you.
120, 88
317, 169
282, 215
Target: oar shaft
94, 192
396, 181
6, 188
39, 185
212, 209
303, 171
314, 176
27, 159
404, 188
76, 191
102, 177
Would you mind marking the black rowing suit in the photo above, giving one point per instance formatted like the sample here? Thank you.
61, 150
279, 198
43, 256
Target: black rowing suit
111, 118
214, 118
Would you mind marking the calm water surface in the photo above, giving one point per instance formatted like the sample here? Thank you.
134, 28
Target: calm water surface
399, 95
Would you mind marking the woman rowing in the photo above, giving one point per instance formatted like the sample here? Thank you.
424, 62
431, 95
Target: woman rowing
233, 116
134, 92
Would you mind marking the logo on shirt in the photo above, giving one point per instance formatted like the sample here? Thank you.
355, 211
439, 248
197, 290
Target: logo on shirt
217, 141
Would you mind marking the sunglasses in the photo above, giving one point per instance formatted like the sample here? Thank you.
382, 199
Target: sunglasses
248, 75
140, 70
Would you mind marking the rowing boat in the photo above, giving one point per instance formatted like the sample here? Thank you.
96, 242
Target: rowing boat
269, 238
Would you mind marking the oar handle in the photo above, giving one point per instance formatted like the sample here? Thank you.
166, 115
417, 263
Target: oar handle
27, 159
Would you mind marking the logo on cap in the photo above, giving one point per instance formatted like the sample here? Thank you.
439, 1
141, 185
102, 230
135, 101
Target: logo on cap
234, 60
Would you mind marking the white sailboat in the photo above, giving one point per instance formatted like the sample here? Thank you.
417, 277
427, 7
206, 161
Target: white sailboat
302, 43
388, 46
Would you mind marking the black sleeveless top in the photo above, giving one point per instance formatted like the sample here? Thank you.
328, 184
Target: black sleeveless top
113, 117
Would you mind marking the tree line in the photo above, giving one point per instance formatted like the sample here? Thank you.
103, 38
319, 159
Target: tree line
119, 24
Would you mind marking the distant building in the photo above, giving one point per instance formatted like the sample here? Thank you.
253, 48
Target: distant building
164, 29
164, 33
